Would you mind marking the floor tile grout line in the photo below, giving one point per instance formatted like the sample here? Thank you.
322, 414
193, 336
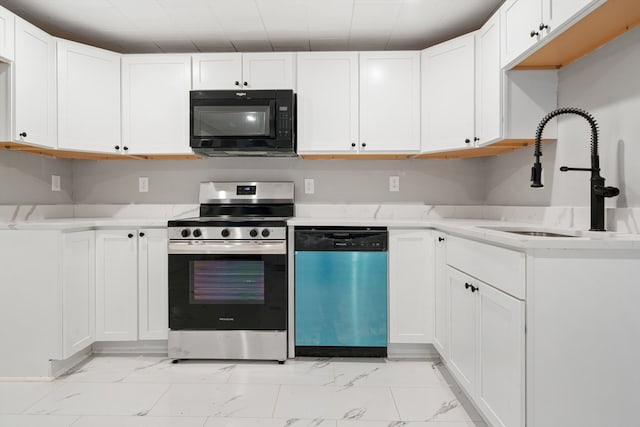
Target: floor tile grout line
395, 404
160, 397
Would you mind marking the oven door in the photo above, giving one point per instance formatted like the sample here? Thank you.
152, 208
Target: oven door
222, 285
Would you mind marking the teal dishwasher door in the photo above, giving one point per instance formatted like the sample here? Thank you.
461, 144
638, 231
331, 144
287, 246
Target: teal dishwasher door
340, 299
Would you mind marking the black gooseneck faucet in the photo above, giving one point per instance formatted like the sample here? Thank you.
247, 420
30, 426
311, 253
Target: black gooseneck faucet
598, 190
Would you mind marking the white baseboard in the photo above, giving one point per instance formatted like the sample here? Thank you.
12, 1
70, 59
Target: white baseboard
59, 367
412, 351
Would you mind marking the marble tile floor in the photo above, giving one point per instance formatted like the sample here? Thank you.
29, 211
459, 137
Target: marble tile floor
142, 391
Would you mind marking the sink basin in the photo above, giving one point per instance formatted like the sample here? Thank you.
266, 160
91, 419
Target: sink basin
533, 232
537, 233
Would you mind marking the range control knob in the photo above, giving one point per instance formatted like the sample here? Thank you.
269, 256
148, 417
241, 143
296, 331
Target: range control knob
253, 233
225, 232
185, 232
197, 232
265, 232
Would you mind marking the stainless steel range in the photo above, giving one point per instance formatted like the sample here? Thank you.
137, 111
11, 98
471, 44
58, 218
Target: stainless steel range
228, 273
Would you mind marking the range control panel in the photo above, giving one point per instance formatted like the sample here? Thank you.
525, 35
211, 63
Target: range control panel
227, 233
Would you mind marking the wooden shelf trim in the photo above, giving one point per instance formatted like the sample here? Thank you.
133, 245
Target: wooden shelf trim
602, 25
81, 155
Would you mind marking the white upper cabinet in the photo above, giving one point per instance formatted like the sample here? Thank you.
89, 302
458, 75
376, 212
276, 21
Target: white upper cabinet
155, 104
526, 22
389, 102
448, 95
488, 83
88, 98
327, 100
243, 70
35, 86
7, 26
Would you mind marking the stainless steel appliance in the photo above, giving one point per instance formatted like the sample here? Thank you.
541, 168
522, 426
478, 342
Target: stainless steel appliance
243, 122
341, 291
228, 273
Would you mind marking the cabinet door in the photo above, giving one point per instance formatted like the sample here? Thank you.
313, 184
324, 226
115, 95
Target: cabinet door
153, 292
217, 71
389, 101
441, 296
488, 82
327, 101
463, 344
519, 19
411, 299
78, 292
116, 285
35, 86
268, 70
557, 12
155, 104
88, 98
7, 25
502, 370
448, 101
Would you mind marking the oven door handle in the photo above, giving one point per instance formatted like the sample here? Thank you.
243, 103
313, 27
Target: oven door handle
228, 247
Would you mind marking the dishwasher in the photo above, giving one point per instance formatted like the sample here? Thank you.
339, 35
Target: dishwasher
340, 291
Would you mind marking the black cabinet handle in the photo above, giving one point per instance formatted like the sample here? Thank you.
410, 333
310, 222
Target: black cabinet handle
237, 83
23, 134
440, 239
245, 83
475, 138
474, 288
117, 147
467, 141
543, 26
353, 144
125, 148
130, 235
364, 144
467, 285
534, 33
141, 234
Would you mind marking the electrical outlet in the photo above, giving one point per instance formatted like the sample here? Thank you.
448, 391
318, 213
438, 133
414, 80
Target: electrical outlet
55, 182
143, 184
394, 183
309, 186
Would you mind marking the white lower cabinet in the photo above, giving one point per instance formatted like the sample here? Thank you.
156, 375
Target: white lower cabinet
487, 347
411, 299
78, 291
131, 288
441, 295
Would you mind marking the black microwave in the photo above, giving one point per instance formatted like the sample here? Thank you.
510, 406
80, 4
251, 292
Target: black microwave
241, 123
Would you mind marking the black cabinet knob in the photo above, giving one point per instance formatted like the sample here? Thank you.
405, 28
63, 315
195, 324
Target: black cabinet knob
475, 138
467, 141
543, 26
474, 288
141, 234
364, 144
117, 147
130, 235
440, 239
534, 33
467, 285
245, 84
125, 148
23, 134
353, 144
237, 83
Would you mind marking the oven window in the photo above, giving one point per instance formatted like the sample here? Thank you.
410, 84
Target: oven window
227, 282
231, 120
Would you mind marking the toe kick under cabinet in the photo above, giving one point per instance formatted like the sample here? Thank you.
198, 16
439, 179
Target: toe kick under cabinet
544, 337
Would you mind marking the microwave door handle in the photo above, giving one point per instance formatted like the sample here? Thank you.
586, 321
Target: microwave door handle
274, 119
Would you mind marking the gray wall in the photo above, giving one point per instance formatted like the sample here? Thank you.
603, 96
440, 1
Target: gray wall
336, 181
607, 84
26, 179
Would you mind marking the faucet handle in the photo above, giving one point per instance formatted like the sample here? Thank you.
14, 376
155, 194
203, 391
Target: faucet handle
606, 191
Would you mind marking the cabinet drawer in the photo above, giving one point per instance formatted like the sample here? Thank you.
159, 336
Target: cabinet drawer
499, 267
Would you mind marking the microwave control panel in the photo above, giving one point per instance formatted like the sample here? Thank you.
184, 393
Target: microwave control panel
284, 121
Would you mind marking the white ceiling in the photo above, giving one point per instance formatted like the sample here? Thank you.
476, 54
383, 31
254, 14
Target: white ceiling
149, 26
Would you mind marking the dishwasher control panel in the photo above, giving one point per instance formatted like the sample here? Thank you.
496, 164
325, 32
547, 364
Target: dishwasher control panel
368, 239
